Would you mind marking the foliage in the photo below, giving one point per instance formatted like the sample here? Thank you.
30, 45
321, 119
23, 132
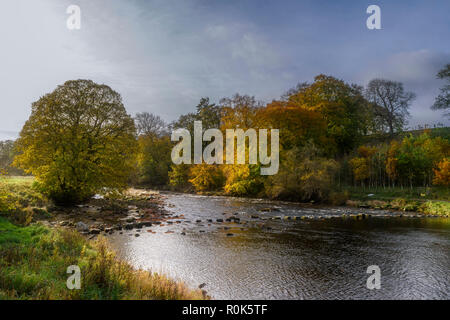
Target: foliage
242, 179
179, 176
154, 160
412, 161
440, 208
206, 177
18, 196
342, 106
442, 173
304, 175
78, 140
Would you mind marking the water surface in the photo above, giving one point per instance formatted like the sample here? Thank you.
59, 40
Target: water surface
323, 256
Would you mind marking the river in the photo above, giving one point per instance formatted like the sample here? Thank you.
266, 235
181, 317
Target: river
322, 256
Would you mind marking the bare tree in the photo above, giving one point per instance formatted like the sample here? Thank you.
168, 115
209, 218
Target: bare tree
390, 103
442, 101
149, 124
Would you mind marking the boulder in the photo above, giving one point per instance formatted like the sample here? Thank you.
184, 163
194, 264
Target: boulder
81, 226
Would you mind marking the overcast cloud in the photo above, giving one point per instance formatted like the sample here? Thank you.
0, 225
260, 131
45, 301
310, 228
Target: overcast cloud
164, 55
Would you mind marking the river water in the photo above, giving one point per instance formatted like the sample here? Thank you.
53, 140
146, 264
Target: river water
322, 256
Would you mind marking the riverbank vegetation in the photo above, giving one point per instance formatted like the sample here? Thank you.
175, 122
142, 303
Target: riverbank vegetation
34, 260
34, 257
338, 142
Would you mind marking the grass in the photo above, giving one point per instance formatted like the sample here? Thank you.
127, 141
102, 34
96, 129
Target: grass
34, 260
429, 201
416, 193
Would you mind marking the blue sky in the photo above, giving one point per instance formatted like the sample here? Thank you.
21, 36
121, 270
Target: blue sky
164, 55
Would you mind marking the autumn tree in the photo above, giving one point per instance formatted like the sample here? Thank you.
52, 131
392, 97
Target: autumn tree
239, 111
206, 177
78, 140
442, 173
341, 105
297, 124
390, 103
442, 101
413, 161
304, 175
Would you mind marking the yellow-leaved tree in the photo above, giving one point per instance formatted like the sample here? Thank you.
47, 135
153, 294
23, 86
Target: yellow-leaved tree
78, 140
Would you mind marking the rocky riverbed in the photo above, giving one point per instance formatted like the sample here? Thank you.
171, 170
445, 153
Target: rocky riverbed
135, 210
141, 209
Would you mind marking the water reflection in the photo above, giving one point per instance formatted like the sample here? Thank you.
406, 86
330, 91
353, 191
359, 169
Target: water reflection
322, 257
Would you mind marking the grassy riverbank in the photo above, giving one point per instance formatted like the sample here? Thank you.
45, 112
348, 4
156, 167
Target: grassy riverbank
429, 201
34, 258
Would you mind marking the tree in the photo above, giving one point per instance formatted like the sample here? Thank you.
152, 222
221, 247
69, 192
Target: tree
390, 103
154, 160
304, 175
442, 101
442, 173
206, 177
149, 124
297, 124
78, 140
239, 112
342, 106
7, 154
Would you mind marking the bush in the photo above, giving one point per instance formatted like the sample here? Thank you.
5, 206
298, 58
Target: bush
441, 208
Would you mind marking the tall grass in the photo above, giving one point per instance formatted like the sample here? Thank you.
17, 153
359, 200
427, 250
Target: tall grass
34, 260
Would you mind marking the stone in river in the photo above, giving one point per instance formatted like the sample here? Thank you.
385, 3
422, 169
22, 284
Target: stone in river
94, 231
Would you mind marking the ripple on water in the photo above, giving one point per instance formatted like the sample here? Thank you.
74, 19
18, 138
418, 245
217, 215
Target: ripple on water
293, 259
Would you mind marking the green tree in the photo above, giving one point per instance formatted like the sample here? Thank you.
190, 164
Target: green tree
78, 140
154, 160
341, 105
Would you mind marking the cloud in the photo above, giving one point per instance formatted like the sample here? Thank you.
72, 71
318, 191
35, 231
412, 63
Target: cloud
162, 56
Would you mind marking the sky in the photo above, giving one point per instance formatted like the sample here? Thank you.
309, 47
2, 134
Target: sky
162, 56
